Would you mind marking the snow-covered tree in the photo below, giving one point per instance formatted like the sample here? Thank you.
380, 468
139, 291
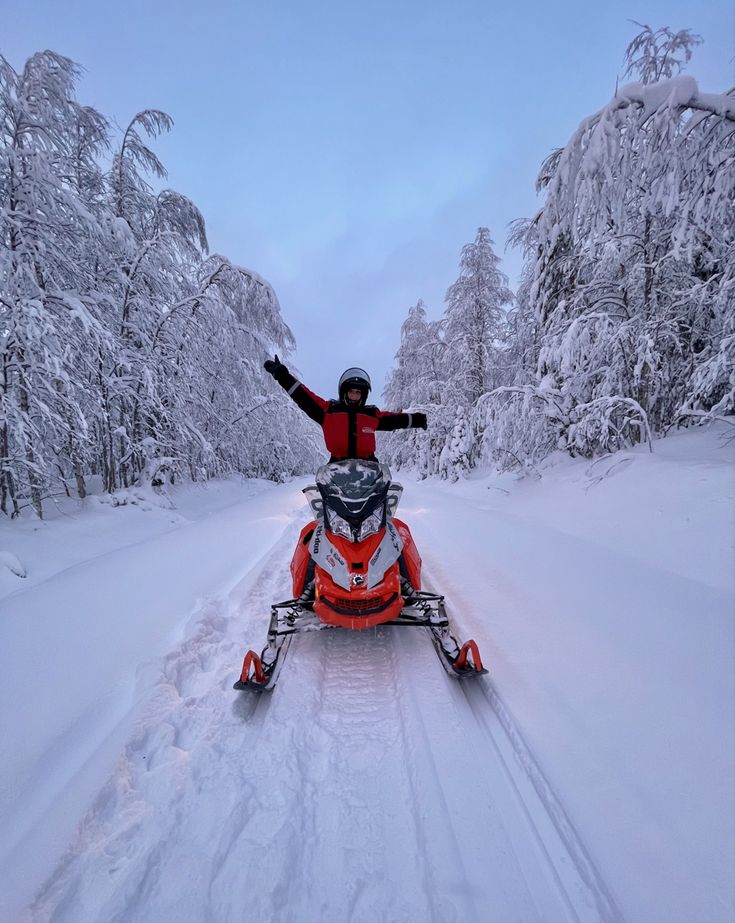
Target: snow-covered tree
475, 355
630, 262
451, 363
455, 456
659, 54
47, 175
415, 383
124, 348
623, 323
474, 321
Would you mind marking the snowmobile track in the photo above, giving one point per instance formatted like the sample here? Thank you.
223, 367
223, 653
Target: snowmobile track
579, 880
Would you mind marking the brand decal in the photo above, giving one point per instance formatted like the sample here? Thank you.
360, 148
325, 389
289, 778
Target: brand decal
328, 558
386, 554
357, 580
396, 540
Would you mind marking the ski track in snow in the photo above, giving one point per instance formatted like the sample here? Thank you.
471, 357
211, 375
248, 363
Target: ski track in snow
359, 789
575, 872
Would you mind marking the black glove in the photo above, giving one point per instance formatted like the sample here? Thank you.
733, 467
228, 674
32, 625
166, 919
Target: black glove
273, 366
418, 420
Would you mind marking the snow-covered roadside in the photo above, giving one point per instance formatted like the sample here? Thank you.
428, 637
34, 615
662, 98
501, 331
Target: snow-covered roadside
605, 609
670, 508
73, 531
108, 592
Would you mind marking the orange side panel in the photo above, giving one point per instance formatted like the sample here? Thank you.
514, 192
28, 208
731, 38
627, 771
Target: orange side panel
410, 554
300, 560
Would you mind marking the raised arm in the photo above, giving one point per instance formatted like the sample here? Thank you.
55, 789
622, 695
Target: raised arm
389, 421
312, 405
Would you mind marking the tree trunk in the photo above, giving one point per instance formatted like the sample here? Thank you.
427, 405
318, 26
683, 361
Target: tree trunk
34, 483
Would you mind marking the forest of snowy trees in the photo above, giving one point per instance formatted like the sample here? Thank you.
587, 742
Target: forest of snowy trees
128, 354
624, 322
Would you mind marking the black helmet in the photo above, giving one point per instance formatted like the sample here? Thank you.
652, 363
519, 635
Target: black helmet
354, 378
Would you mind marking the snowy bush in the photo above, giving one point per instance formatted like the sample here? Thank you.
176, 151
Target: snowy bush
454, 460
516, 427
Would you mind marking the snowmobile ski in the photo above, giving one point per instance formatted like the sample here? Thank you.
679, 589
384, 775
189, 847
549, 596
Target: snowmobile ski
460, 662
260, 671
422, 610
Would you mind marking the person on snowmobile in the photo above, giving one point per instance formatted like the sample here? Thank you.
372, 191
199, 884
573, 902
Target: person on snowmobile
349, 424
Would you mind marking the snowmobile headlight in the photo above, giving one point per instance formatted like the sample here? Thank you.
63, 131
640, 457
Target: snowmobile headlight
371, 525
339, 526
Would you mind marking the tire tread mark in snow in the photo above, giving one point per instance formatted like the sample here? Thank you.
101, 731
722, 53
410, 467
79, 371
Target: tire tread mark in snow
365, 751
577, 876
402, 692
407, 694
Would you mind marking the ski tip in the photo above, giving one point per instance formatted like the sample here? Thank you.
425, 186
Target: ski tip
252, 672
469, 662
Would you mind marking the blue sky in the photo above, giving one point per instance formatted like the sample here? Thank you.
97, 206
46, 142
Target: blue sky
347, 151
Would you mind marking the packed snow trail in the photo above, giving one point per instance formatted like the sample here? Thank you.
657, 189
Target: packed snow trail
362, 789
588, 778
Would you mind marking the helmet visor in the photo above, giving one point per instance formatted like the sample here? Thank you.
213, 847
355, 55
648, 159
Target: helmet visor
357, 377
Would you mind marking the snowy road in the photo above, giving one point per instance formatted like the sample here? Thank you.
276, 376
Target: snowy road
588, 778
369, 786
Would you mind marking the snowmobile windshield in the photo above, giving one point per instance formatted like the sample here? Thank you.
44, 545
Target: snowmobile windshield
353, 479
354, 489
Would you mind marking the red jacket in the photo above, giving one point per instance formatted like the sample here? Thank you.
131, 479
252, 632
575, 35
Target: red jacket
349, 429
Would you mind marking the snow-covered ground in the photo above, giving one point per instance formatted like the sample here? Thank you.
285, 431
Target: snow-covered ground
589, 777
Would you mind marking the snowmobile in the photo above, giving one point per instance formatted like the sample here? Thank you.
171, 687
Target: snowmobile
356, 566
